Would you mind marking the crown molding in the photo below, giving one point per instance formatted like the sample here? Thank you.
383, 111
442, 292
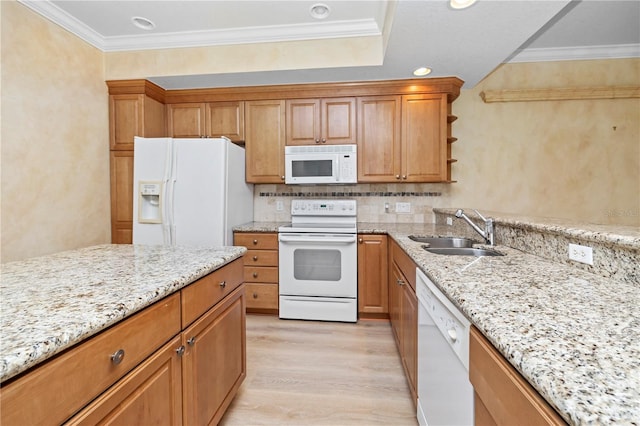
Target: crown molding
576, 53
276, 33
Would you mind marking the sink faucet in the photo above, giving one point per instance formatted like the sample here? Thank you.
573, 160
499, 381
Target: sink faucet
487, 234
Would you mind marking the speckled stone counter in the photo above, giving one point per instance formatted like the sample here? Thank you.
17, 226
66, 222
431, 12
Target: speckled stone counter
53, 302
574, 335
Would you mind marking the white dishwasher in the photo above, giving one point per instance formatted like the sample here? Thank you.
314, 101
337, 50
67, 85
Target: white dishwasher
445, 395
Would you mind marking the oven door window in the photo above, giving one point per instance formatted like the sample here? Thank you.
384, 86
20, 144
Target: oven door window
317, 265
311, 168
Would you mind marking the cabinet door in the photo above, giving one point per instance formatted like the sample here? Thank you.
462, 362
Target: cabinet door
264, 141
395, 277
125, 120
379, 124
150, 394
338, 118
424, 138
225, 119
186, 120
409, 320
121, 196
214, 364
303, 121
373, 290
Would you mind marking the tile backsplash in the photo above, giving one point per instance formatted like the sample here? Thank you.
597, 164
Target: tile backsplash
376, 202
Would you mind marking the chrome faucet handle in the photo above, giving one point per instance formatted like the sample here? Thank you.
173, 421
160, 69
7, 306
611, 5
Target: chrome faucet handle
479, 214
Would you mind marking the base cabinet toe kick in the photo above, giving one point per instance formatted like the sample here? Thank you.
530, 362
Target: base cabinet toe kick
160, 366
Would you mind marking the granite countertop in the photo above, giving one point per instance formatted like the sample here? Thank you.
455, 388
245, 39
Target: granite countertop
574, 335
52, 302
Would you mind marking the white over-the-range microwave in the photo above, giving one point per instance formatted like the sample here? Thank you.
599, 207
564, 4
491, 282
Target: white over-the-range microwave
320, 164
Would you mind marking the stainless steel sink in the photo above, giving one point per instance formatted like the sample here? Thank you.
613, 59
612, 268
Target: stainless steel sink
443, 242
462, 251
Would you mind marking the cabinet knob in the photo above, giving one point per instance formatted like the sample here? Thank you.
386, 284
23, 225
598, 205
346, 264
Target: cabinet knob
255, 275
282, 177
255, 258
223, 284
397, 176
324, 140
255, 241
255, 295
191, 341
360, 240
117, 357
317, 140
404, 177
180, 350
400, 282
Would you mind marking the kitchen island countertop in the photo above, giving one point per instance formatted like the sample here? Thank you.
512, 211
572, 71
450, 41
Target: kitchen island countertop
574, 335
52, 302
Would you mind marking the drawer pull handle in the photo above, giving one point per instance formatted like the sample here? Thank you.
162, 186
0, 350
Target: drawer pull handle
180, 350
191, 341
255, 295
255, 258
400, 282
255, 241
117, 357
223, 284
255, 275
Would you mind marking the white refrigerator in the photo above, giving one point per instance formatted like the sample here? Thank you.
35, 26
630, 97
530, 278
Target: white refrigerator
189, 191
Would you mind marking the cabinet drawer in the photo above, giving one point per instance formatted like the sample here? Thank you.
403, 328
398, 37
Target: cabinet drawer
262, 296
261, 258
200, 296
261, 274
54, 391
256, 240
405, 264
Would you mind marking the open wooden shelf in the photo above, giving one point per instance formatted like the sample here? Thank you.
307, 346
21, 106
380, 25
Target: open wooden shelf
560, 94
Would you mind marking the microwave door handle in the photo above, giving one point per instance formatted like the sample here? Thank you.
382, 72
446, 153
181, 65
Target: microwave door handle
324, 239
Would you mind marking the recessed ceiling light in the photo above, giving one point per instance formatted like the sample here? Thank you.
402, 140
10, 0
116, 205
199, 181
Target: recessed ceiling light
461, 4
319, 11
422, 71
143, 23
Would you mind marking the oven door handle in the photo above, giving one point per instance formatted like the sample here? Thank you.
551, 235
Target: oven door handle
317, 238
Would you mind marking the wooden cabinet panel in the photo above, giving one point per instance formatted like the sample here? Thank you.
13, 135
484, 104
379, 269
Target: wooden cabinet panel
506, 397
87, 370
260, 270
264, 141
186, 120
150, 394
201, 295
379, 143
373, 290
125, 120
225, 119
409, 314
121, 196
424, 138
214, 363
321, 121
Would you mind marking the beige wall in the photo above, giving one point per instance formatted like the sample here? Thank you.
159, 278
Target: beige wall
55, 158
569, 159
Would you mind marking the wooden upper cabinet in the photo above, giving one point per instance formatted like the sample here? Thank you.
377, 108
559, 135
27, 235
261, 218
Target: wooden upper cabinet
186, 120
264, 141
379, 144
321, 121
134, 115
225, 119
212, 120
424, 138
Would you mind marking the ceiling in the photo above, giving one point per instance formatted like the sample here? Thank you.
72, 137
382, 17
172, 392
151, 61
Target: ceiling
467, 43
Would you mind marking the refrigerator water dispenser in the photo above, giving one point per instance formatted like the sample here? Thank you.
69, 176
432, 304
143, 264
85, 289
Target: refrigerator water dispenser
150, 202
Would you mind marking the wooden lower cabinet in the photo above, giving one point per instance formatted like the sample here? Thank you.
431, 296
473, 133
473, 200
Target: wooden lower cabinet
403, 312
373, 293
214, 363
150, 394
260, 270
162, 375
501, 395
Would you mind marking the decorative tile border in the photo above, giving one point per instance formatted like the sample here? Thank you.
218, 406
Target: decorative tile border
350, 194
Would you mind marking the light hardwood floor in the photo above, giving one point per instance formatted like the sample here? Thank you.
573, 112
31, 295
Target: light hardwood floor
321, 373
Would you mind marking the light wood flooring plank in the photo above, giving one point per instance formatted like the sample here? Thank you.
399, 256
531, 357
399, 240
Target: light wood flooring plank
321, 373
